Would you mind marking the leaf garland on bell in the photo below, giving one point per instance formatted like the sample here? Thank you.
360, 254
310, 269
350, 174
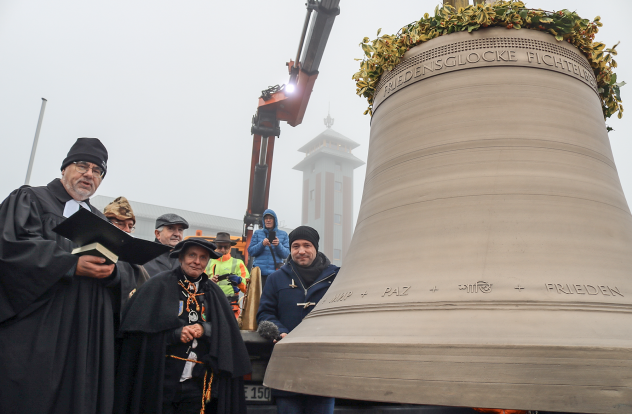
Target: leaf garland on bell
386, 51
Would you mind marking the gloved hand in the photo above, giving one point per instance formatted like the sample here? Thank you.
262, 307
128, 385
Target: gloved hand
235, 281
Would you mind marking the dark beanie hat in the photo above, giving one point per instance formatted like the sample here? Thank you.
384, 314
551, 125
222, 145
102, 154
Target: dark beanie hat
305, 233
90, 150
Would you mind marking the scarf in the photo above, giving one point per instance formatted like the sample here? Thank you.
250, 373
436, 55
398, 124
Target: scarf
310, 273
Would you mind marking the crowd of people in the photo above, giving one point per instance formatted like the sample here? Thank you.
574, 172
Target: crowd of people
79, 335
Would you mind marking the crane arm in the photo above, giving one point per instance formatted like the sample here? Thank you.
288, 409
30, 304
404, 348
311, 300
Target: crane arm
286, 103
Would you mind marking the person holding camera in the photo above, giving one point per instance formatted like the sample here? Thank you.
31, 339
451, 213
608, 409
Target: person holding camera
269, 246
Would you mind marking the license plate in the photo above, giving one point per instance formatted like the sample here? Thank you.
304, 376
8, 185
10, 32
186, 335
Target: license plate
257, 393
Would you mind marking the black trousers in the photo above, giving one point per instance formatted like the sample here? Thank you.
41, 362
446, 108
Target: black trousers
188, 399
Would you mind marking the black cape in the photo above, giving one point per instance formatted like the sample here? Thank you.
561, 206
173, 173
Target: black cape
162, 263
132, 277
56, 329
151, 314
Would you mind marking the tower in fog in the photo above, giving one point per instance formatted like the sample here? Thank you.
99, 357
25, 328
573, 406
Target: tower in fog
328, 189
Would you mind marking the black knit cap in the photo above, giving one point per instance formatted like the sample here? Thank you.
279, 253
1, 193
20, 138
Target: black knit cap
90, 150
305, 233
195, 241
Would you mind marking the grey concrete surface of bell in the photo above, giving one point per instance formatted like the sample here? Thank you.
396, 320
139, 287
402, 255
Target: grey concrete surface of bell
491, 263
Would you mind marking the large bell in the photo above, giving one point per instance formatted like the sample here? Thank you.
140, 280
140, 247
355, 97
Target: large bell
492, 259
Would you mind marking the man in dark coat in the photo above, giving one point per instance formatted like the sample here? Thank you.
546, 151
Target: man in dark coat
169, 231
56, 323
181, 343
119, 212
289, 296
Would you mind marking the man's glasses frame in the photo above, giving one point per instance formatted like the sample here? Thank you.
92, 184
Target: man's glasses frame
84, 166
119, 224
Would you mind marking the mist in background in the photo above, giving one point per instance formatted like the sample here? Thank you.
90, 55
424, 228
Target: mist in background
171, 87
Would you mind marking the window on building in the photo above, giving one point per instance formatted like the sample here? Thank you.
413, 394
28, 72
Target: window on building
338, 186
337, 254
338, 166
313, 168
311, 194
337, 219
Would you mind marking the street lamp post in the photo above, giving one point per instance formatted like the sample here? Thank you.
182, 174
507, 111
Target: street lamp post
37, 132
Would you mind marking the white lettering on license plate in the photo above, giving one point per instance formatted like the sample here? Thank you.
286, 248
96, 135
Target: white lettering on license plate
257, 393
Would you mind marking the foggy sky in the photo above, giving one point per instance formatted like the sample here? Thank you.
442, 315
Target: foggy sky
170, 88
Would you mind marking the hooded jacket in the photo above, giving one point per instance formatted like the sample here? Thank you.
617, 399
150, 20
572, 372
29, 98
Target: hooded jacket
262, 255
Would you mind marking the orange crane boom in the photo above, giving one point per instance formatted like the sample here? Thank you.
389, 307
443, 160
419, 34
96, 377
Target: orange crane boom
286, 103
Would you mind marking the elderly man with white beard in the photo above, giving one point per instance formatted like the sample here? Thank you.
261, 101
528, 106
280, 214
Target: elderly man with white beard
56, 323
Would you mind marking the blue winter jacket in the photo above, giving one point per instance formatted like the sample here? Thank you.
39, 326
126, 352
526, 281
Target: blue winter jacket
261, 253
279, 299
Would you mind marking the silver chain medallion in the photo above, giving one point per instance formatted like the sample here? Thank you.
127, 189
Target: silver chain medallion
193, 316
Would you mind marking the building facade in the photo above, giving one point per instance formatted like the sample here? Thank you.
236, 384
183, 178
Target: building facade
146, 215
328, 189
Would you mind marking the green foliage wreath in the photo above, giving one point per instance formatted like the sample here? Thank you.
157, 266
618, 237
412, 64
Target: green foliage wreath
386, 51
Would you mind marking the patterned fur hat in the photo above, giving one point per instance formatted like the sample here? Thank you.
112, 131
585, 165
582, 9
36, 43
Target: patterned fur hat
119, 209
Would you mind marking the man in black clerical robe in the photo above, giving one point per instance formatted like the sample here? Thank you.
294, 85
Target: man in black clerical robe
181, 343
56, 324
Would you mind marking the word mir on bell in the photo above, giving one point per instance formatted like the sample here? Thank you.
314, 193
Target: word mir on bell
480, 286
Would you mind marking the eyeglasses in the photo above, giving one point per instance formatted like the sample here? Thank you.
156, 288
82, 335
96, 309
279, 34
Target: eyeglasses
223, 246
83, 168
122, 225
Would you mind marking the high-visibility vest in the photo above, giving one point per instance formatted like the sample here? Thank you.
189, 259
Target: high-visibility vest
228, 265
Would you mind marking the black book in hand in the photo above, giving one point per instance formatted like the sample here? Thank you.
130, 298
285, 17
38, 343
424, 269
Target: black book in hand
96, 249
85, 228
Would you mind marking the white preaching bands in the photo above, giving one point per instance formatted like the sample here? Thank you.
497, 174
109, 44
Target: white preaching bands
72, 206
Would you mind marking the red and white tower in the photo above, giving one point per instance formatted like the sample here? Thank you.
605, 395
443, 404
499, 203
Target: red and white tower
328, 189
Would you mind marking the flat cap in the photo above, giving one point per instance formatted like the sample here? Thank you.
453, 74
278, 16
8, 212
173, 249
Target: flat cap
195, 241
171, 219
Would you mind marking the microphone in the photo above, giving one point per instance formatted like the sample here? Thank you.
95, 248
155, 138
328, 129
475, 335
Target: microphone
269, 330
